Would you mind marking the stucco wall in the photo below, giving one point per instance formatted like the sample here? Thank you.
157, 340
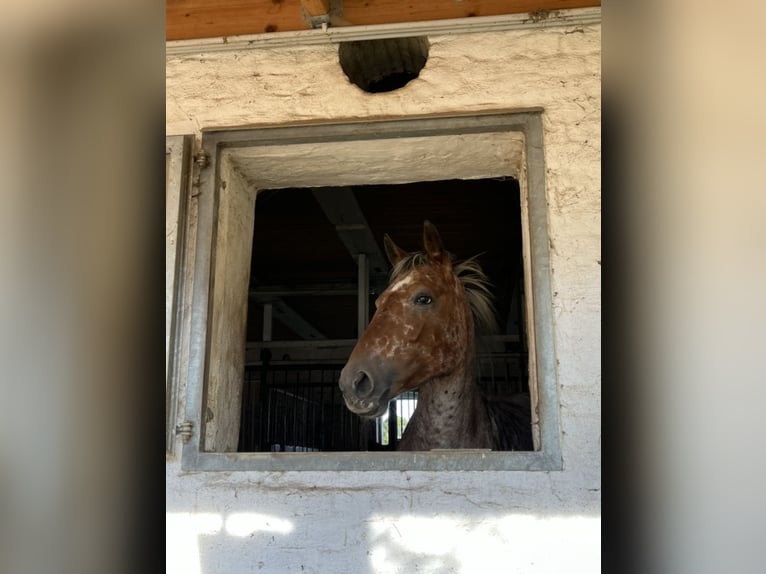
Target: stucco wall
365, 522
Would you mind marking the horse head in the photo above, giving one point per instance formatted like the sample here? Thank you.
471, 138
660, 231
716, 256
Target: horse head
422, 329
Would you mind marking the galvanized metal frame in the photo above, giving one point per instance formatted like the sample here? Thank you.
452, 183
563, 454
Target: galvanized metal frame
178, 151
527, 122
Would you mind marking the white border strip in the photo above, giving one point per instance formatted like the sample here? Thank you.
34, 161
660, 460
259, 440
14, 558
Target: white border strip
320, 36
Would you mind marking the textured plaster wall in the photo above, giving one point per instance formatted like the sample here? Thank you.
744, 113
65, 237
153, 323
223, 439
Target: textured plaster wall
376, 522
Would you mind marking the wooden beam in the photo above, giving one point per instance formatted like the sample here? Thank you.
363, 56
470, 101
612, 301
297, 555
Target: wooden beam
328, 351
289, 317
342, 210
188, 19
269, 292
267, 321
316, 7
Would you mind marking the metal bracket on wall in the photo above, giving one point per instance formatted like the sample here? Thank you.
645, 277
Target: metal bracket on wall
321, 13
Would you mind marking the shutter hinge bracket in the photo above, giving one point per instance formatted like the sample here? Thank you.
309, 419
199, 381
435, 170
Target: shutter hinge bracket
185, 430
201, 161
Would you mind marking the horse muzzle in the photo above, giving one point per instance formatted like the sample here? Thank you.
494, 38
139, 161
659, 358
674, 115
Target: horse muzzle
363, 397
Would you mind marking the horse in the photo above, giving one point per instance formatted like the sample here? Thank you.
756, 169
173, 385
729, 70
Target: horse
423, 336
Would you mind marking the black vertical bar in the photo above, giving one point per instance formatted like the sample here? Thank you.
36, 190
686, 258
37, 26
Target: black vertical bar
248, 417
392, 426
243, 410
305, 412
269, 421
255, 416
275, 414
321, 427
265, 401
310, 423
307, 390
341, 428
332, 418
295, 402
285, 398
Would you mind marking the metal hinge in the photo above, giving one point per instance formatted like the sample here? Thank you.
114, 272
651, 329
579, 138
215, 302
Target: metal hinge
185, 430
201, 161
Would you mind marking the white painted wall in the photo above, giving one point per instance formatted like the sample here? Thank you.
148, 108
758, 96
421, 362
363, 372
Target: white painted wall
377, 522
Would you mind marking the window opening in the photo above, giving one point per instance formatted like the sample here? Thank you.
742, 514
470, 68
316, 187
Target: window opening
303, 304
245, 163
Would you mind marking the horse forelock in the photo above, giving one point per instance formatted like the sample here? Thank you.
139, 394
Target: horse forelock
475, 282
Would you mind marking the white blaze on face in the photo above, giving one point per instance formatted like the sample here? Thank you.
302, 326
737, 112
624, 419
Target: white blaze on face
402, 283
387, 346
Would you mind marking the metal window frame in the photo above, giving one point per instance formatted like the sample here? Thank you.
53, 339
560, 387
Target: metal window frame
178, 150
529, 123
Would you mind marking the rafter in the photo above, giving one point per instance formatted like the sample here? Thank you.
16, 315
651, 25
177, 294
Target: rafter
342, 210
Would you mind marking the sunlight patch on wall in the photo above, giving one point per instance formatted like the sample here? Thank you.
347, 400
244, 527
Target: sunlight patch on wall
182, 540
247, 523
515, 543
184, 530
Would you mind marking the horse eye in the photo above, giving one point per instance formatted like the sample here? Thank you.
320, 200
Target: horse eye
423, 300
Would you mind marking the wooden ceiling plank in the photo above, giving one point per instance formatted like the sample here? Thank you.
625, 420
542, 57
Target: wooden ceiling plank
187, 19
368, 12
190, 19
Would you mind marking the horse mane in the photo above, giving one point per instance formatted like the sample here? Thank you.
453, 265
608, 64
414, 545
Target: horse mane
475, 281
509, 416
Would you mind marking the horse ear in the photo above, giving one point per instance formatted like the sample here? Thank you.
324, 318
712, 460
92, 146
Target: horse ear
394, 253
432, 242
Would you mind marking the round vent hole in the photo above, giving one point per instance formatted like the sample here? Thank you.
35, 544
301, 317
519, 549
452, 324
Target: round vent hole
383, 65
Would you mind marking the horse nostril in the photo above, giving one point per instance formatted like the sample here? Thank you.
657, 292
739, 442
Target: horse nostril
362, 384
